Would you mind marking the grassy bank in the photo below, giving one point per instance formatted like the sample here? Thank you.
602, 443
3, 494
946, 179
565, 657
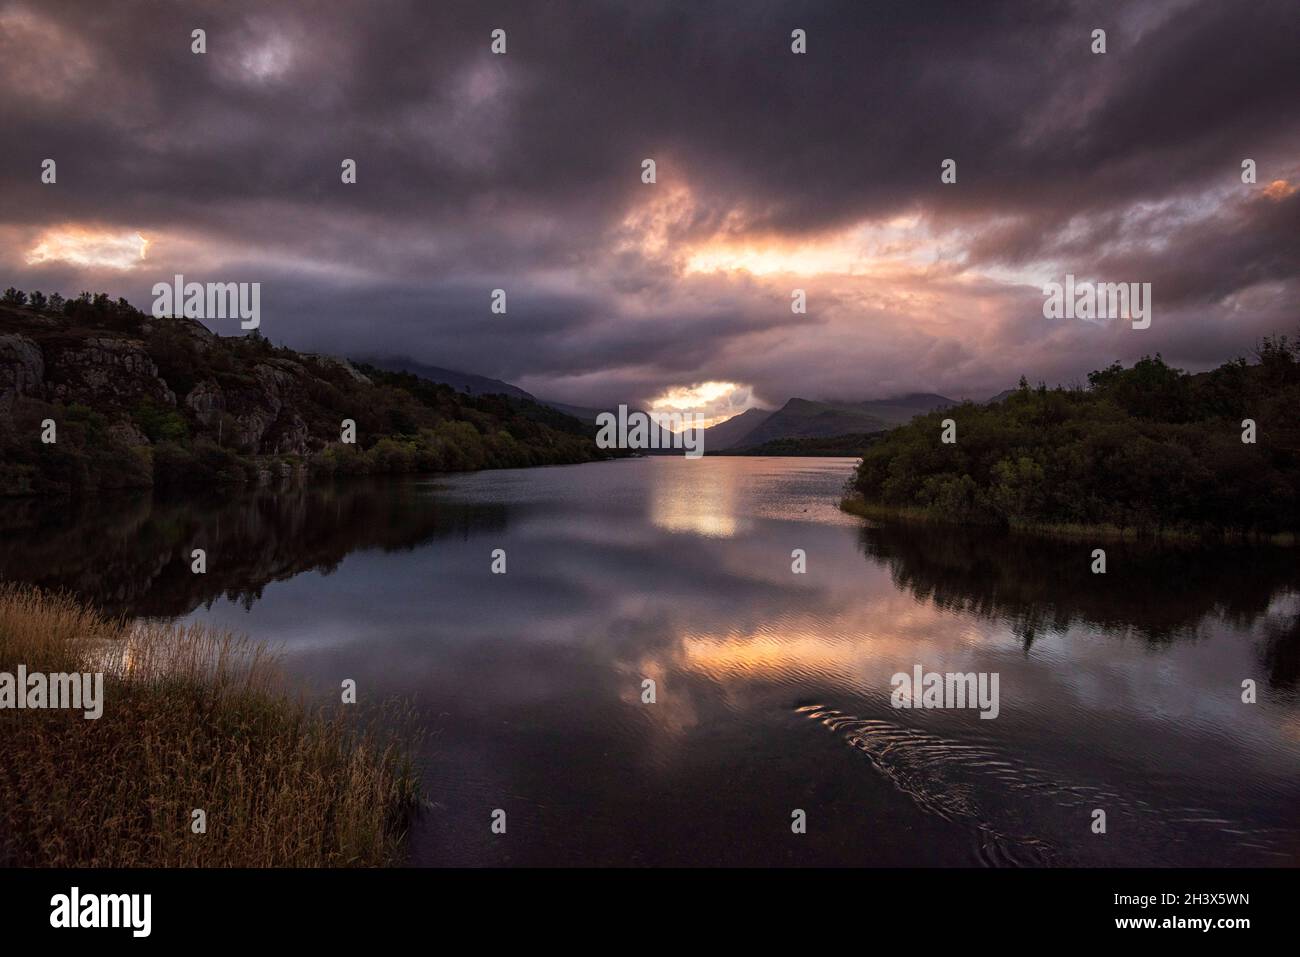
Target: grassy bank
876, 512
192, 719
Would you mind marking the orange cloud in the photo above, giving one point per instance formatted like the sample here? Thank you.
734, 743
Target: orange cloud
1279, 190
83, 246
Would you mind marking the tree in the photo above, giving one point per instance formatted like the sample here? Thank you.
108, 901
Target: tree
15, 297
1278, 356
1148, 448
37, 301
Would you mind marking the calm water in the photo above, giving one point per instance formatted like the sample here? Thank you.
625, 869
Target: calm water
1120, 692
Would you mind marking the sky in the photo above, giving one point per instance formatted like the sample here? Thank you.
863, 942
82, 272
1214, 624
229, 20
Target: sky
774, 171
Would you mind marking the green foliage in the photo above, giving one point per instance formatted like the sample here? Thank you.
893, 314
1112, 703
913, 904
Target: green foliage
1149, 448
204, 463
88, 452
160, 423
179, 362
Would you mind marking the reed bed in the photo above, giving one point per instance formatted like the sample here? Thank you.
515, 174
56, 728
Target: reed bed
192, 719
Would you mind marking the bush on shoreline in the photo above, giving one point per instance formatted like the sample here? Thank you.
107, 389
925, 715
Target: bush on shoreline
192, 719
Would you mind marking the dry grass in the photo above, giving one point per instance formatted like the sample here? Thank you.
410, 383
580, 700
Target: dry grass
192, 719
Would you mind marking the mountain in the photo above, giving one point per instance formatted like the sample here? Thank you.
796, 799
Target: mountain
798, 419
901, 409
1001, 396
478, 385
588, 416
466, 382
579, 412
806, 419
733, 432
100, 395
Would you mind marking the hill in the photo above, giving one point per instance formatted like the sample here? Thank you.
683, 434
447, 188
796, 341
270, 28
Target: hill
466, 382
588, 416
900, 409
471, 384
807, 419
138, 401
733, 432
803, 419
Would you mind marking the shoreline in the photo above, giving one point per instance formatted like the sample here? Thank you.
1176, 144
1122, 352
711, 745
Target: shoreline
273, 473
874, 512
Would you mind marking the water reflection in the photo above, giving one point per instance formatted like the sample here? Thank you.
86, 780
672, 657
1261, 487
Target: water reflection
1043, 587
131, 553
1121, 691
703, 502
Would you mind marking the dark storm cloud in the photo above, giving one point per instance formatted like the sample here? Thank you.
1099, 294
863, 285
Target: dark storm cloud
520, 172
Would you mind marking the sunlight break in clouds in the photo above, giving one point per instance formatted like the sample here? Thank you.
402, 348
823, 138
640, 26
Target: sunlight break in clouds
88, 247
716, 401
868, 248
478, 170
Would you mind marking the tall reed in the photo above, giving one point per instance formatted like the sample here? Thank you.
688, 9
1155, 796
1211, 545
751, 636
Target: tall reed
193, 719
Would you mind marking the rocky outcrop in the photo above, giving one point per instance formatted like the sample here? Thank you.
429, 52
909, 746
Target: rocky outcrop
196, 332
207, 402
333, 362
22, 370
106, 369
259, 417
289, 435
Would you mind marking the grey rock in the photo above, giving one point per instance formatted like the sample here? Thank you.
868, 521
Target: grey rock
22, 370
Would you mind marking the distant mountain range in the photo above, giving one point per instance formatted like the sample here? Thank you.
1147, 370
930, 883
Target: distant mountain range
798, 419
471, 384
806, 419
729, 434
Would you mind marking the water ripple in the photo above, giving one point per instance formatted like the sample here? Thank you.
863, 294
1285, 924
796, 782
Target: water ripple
943, 777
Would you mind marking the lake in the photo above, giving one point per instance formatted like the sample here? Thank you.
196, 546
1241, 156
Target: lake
1119, 692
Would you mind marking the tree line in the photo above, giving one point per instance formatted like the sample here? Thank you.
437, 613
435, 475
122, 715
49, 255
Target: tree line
1149, 449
